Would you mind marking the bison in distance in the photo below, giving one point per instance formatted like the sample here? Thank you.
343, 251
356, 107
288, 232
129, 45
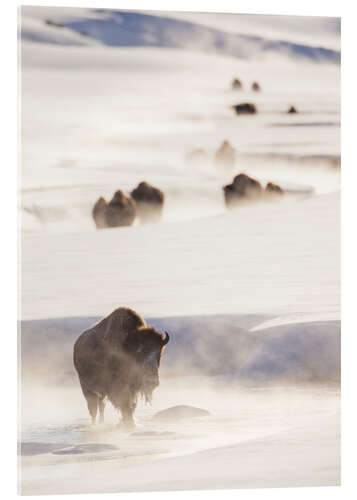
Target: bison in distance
119, 212
149, 202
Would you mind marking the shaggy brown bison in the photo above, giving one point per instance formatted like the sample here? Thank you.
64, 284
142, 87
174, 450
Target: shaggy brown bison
273, 189
246, 108
256, 87
236, 84
149, 202
98, 213
225, 156
243, 188
120, 211
118, 359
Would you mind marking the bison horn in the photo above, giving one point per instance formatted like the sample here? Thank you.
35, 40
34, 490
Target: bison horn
166, 339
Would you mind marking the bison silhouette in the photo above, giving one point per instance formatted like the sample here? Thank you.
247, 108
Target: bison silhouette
120, 211
242, 188
149, 202
225, 156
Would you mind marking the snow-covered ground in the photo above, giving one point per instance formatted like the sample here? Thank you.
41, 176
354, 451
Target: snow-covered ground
251, 297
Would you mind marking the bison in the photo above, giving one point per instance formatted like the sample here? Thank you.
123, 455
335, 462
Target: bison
292, 110
120, 211
273, 189
118, 359
246, 108
149, 202
98, 213
243, 188
225, 156
256, 87
236, 84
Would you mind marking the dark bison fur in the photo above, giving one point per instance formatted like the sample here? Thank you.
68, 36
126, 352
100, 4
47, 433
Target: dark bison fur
243, 188
118, 359
98, 213
256, 87
245, 108
120, 211
292, 110
149, 202
225, 156
273, 189
236, 84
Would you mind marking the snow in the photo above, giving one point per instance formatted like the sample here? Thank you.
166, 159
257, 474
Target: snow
250, 297
302, 456
70, 159
181, 268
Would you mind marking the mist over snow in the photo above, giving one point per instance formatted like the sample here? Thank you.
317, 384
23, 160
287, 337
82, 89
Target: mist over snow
250, 297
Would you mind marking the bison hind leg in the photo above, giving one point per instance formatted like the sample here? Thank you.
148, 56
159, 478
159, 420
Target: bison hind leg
92, 402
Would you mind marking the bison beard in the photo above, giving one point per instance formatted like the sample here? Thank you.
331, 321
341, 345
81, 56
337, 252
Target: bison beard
118, 359
146, 393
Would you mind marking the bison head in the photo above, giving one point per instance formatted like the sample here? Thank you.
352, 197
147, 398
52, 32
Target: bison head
146, 347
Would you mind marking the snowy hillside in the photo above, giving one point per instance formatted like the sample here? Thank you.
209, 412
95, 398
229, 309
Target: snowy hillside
133, 29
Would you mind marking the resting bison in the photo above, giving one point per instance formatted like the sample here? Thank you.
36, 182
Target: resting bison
245, 108
149, 202
118, 359
98, 213
256, 87
225, 156
120, 211
273, 189
242, 188
236, 84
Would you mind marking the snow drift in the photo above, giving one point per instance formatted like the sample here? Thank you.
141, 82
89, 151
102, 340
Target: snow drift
212, 346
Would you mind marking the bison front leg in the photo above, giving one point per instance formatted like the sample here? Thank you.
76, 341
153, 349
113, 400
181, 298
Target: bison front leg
126, 403
127, 417
101, 405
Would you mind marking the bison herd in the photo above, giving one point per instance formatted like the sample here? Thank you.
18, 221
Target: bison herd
145, 202
248, 108
238, 85
244, 188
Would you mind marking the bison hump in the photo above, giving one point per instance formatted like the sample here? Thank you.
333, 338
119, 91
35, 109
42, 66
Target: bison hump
126, 320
